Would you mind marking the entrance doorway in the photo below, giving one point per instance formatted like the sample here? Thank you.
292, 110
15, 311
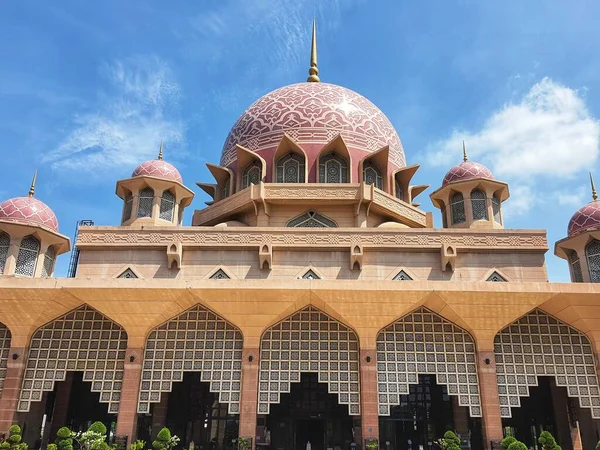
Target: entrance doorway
309, 413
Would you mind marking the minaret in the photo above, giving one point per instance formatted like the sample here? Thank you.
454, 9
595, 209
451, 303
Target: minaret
314, 70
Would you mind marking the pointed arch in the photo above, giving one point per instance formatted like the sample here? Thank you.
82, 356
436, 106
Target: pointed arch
220, 274
100, 355
479, 204
335, 156
167, 206
4, 351
289, 162
251, 167
373, 168
311, 219
457, 207
145, 202
4, 246
575, 266
27, 258
592, 256
309, 341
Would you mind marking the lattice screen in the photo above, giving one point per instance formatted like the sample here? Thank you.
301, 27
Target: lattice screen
195, 341
4, 350
309, 341
426, 343
83, 340
538, 345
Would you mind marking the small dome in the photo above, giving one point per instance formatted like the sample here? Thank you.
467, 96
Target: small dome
159, 169
467, 170
586, 218
28, 210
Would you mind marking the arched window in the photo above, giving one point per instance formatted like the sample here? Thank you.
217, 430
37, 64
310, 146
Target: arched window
479, 205
457, 206
145, 202
49, 258
496, 208
333, 169
592, 254
399, 193
27, 257
128, 207
290, 169
252, 175
372, 175
226, 187
444, 218
311, 219
576, 273
4, 246
167, 206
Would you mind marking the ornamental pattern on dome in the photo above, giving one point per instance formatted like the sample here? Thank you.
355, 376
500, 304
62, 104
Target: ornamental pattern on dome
313, 113
159, 169
585, 218
466, 171
29, 210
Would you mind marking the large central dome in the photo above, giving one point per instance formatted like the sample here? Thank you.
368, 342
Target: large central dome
312, 114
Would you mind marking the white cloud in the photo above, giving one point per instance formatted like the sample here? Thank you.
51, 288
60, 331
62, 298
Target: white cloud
131, 116
574, 198
522, 200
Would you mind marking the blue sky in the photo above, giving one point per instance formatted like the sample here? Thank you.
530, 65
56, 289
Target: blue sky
88, 89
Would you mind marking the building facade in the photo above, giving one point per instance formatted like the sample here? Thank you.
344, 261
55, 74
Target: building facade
312, 300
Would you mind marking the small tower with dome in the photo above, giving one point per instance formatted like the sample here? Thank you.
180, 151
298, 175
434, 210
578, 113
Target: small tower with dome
29, 237
470, 197
154, 194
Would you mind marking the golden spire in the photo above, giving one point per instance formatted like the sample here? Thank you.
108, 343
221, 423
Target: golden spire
32, 188
160, 155
464, 152
594, 194
313, 71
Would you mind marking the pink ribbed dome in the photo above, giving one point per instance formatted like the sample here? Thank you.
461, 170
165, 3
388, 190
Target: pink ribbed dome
467, 170
159, 169
28, 210
586, 218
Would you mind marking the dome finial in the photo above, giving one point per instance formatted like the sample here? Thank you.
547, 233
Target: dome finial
594, 194
32, 188
160, 151
464, 152
313, 71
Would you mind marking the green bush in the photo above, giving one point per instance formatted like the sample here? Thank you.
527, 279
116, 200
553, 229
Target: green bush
51, 447
138, 445
451, 441
598, 446
548, 442
13, 441
63, 440
98, 427
516, 445
506, 442
162, 439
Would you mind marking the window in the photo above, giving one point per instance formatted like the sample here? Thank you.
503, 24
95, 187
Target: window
496, 208
372, 175
252, 175
458, 208
399, 193
4, 246
290, 169
310, 275
167, 206
576, 273
27, 257
220, 275
145, 203
333, 169
49, 258
592, 254
444, 218
479, 205
402, 276
128, 274
226, 186
128, 207
496, 277
311, 219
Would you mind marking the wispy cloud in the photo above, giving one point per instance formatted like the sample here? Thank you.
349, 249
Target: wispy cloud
136, 110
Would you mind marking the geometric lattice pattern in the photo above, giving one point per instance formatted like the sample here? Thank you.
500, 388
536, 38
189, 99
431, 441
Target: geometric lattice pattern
27, 256
372, 175
479, 205
195, 341
4, 350
82, 340
496, 277
128, 274
311, 219
458, 208
167, 206
576, 273
540, 345
290, 169
425, 343
220, 275
333, 169
592, 254
4, 246
145, 202
309, 341
402, 276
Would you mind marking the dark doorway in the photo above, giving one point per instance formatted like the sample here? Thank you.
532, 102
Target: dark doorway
309, 413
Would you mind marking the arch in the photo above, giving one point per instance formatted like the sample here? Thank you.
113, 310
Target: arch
398, 192
479, 205
592, 256
145, 202
538, 344
575, 265
496, 209
127, 206
251, 174
371, 174
100, 355
4, 351
311, 219
167, 206
49, 259
197, 340
290, 168
29, 251
309, 341
457, 205
420, 343
4, 246
333, 169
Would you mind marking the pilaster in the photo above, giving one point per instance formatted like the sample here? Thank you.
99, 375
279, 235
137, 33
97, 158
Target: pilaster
368, 395
249, 398
490, 401
12, 387
127, 417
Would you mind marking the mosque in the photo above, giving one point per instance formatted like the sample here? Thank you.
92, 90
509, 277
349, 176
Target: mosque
311, 300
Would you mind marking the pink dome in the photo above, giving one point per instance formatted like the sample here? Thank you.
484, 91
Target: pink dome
467, 170
159, 169
312, 114
28, 210
586, 218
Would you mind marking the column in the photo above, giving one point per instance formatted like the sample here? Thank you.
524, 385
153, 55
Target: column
61, 403
490, 402
12, 387
368, 395
132, 373
249, 398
